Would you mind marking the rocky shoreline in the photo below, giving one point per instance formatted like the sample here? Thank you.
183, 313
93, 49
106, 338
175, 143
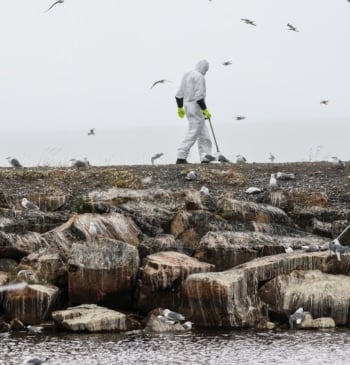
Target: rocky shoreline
219, 258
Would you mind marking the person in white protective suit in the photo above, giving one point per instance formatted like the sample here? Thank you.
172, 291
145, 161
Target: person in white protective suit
190, 99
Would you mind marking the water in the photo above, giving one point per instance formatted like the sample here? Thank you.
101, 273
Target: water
289, 142
210, 347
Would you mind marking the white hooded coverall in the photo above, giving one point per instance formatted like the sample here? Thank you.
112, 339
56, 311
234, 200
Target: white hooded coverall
193, 89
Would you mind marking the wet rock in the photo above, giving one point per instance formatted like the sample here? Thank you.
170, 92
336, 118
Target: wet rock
102, 272
17, 325
230, 299
4, 326
29, 276
161, 276
228, 249
279, 198
31, 305
318, 293
92, 318
317, 323
16, 246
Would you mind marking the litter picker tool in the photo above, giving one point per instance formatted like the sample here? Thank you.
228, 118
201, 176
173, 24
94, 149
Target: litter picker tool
220, 157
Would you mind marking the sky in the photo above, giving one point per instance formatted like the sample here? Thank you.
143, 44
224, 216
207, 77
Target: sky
90, 63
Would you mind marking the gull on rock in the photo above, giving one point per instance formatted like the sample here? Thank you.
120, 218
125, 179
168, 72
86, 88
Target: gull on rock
35, 361
289, 249
14, 162
336, 162
173, 316
285, 176
80, 164
240, 159
28, 204
191, 176
93, 229
296, 318
273, 180
34, 329
253, 190
204, 190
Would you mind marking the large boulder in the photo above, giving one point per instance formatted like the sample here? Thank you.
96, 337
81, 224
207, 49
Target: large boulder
227, 249
92, 318
31, 305
102, 272
230, 298
323, 295
161, 276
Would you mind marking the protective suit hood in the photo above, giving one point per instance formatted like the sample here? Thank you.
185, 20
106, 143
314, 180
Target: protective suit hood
202, 67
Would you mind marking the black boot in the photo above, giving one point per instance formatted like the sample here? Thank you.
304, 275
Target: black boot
181, 161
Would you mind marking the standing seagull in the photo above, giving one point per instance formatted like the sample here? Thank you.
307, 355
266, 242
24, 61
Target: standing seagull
273, 180
29, 205
156, 156
159, 82
55, 3
240, 159
173, 316
248, 21
292, 28
14, 162
93, 229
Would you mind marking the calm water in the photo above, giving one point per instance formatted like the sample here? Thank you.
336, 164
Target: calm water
235, 347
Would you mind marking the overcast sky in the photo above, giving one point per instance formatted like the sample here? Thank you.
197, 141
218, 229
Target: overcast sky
90, 63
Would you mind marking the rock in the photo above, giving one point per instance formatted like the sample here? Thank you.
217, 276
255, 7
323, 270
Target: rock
243, 211
318, 293
318, 323
92, 318
4, 326
29, 276
102, 272
230, 299
190, 227
280, 199
161, 276
160, 325
8, 265
31, 305
228, 249
15, 246
17, 325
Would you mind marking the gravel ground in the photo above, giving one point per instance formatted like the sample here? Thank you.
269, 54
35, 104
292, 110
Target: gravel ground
219, 178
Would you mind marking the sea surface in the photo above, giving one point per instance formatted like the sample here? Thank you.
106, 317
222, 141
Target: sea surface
194, 347
288, 142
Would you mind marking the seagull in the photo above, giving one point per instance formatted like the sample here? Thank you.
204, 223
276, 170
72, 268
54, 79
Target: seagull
324, 102
226, 63
285, 176
14, 162
296, 318
311, 248
291, 27
173, 316
159, 82
222, 158
34, 329
29, 205
93, 229
336, 247
337, 163
91, 132
272, 157
156, 156
204, 190
240, 118
187, 325
253, 190
35, 361
248, 21
55, 3
191, 176
289, 249
240, 159
16, 286
79, 163
273, 180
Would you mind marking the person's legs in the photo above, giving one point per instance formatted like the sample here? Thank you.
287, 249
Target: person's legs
204, 144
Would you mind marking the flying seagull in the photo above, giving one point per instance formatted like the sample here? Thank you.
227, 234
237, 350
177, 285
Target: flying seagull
248, 21
14, 162
91, 132
55, 3
159, 82
291, 27
272, 157
156, 156
29, 205
240, 117
227, 63
324, 102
